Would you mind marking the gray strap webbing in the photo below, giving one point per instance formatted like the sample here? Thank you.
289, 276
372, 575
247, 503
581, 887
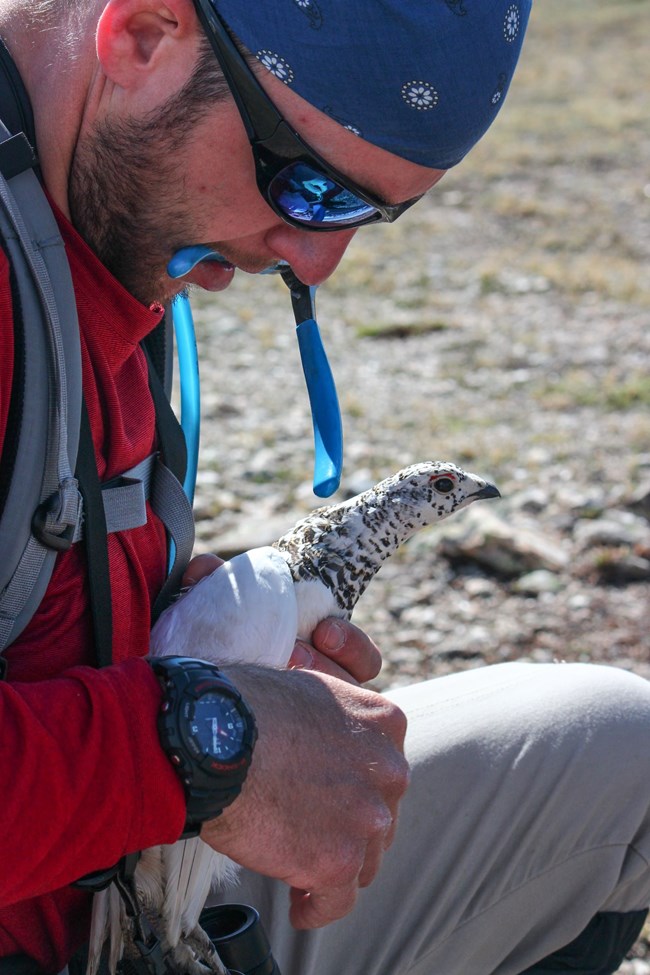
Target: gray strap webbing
125, 499
169, 501
50, 418
125, 507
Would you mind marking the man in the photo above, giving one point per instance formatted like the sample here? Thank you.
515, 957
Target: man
526, 821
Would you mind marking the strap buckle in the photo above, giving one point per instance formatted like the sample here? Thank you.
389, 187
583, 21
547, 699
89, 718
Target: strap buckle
55, 520
151, 960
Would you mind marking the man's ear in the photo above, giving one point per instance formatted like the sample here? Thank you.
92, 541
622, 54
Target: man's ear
138, 37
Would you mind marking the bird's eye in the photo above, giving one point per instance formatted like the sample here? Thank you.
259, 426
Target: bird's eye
444, 485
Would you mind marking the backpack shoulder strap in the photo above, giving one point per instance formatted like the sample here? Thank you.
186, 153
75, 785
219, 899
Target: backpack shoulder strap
42, 503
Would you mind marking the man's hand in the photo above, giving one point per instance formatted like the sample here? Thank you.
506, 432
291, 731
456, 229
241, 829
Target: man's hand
319, 805
341, 649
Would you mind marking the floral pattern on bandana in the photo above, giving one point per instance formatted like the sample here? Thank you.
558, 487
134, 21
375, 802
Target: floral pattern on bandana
420, 95
423, 79
511, 23
312, 11
277, 65
497, 94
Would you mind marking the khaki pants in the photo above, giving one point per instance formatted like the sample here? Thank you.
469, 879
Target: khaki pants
528, 813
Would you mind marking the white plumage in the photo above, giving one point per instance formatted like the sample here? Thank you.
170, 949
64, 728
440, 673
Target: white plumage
251, 610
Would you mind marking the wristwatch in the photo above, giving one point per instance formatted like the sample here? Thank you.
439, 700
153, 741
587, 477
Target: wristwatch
208, 732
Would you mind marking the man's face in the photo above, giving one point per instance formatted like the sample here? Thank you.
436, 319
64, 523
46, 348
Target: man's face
142, 189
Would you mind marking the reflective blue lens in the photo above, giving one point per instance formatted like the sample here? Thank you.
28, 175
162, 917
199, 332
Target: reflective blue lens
308, 196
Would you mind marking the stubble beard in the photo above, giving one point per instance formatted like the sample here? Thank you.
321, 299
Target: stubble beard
125, 193
120, 197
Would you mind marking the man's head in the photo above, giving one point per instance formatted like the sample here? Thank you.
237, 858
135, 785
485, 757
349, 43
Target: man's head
146, 183
142, 144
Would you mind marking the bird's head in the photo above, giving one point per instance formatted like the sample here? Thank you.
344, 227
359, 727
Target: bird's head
435, 489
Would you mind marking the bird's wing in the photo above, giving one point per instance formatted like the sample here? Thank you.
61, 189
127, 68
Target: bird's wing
191, 869
109, 921
98, 931
245, 612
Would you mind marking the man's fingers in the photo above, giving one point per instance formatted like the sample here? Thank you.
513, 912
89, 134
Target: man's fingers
325, 844
348, 647
200, 566
372, 863
314, 909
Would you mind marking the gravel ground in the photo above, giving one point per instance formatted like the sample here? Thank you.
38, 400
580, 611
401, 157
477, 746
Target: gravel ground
501, 324
466, 393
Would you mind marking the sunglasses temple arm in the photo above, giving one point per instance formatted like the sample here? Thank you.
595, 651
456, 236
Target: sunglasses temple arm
323, 399
258, 113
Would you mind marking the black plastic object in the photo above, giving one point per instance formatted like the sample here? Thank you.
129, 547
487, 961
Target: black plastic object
323, 399
237, 933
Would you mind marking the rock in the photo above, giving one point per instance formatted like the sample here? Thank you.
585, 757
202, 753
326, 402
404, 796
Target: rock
478, 586
499, 546
634, 966
539, 581
639, 503
358, 481
534, 500
618, 568
580, 600
614, 529
253, 532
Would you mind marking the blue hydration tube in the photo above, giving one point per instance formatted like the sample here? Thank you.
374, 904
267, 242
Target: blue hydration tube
190, 389
323, 399
188, 361
325, 410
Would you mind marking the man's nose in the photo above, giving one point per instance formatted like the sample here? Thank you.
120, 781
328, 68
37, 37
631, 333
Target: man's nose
312, 256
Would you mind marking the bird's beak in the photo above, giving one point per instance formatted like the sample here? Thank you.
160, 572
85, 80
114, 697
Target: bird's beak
489, 491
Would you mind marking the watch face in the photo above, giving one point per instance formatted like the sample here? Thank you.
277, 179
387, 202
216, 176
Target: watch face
217, 727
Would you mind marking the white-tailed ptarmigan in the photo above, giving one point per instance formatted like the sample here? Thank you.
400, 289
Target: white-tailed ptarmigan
252, 609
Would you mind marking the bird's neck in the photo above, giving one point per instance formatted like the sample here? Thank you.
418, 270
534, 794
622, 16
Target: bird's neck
362, 534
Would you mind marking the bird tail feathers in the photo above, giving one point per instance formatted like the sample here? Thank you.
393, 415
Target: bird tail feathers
191, 868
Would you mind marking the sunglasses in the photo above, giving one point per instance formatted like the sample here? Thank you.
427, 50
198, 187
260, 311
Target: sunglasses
297, 183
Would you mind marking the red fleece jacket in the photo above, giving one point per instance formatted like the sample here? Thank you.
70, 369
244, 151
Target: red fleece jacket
83, 779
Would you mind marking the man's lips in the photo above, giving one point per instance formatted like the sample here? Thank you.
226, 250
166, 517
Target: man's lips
201, 265
210, 275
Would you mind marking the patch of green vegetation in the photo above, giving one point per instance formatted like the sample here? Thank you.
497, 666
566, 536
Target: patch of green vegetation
276, 475
639, 435
399, 330
632, 393
612, 394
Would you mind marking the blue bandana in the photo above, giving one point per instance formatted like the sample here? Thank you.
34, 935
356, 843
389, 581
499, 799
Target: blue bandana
423, 79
